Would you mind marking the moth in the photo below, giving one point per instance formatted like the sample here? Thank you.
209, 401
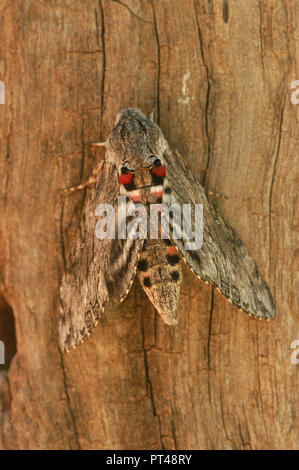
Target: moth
140, 165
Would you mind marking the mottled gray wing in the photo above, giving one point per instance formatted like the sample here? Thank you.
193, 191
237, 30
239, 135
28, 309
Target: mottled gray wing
91, 267
223, 259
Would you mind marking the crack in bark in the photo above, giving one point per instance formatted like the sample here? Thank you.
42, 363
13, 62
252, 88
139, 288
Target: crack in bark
132, 13
61, 235
151, 391
241, 435
7, 156
82, 151
68, 400
97, 26
82, 124
208, 97
158, 63
155, 326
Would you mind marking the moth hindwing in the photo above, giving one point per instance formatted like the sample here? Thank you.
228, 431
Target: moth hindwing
141, 169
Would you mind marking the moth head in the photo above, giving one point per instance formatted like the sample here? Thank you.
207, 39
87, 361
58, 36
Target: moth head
135, 141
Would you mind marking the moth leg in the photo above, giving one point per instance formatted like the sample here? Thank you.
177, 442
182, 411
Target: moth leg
89, 183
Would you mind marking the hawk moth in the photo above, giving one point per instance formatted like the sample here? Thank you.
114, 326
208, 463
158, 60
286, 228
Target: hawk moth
140, 165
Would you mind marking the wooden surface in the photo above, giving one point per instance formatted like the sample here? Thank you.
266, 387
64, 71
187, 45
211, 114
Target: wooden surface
219, 73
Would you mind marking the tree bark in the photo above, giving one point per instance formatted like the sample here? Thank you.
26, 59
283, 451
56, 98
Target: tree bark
219, 73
